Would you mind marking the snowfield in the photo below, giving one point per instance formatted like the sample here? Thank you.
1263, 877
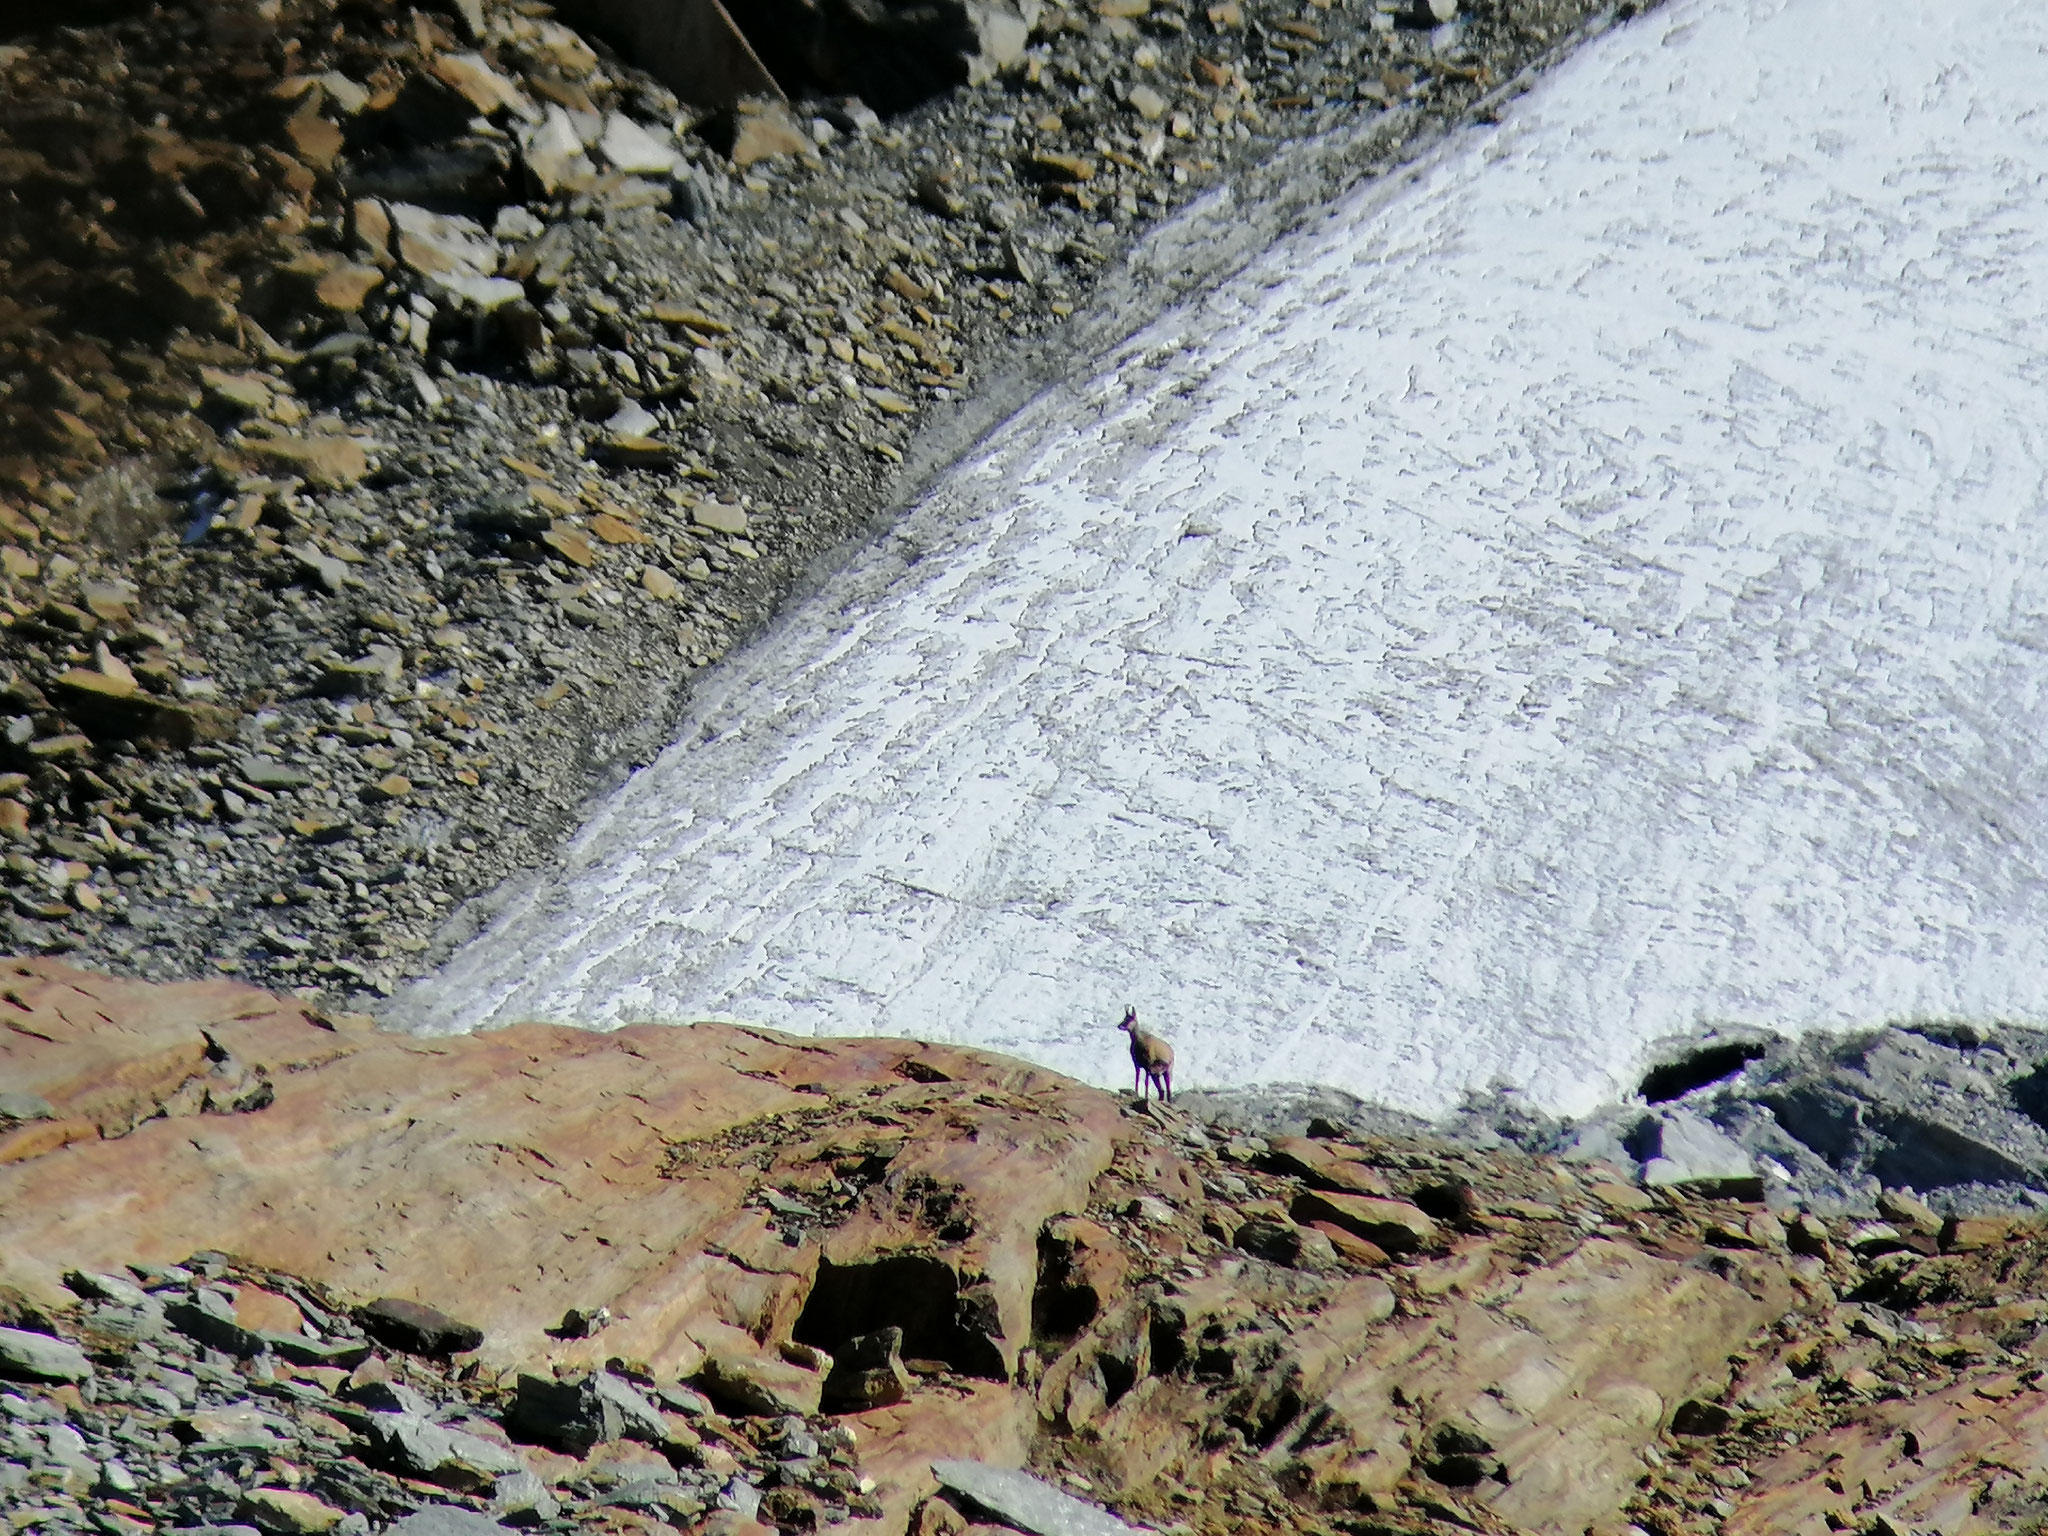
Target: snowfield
1596, 588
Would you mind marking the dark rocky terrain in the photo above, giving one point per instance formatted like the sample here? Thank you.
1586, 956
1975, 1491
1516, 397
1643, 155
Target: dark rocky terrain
398, 406
1825, 1122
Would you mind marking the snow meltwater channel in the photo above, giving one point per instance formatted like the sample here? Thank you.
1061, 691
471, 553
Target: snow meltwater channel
1597, 588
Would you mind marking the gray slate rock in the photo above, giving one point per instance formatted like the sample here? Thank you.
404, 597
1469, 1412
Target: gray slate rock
523, 1497
269, 773
25, 1106
451, 1457
197, 1320
1026, 1502
577, 1415
639, 1419
389, 1397
135, 1324
1679, 1149
38, 1357
103, 1287
447, 1520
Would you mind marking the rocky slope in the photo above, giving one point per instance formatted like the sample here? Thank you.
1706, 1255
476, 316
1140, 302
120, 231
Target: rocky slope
397, 405
696, 1277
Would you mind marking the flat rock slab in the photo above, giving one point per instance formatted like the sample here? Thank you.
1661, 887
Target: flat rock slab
416, 1328
1026, 1502
38, 1357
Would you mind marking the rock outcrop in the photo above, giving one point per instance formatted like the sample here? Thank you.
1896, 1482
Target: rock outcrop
756, 1280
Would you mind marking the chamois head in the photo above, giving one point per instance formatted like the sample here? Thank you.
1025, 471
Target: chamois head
1130, 1023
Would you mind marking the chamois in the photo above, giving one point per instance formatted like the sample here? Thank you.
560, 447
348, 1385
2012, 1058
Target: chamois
1152, 1057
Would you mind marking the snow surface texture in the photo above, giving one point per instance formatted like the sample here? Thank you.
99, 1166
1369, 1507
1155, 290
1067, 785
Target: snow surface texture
1595, 589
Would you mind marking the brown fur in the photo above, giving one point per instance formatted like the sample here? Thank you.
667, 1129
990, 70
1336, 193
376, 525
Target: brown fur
1151, 1056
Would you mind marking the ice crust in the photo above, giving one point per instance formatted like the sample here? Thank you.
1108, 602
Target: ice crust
1597, 589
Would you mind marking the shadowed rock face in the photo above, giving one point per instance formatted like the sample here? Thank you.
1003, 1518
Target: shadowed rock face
967, 1258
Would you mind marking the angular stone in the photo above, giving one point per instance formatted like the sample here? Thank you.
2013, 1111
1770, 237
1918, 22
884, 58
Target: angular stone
766, 131
332, 463
1350, 1247
372, 675
1057, 167
300, 1350
242, 391
484, 88
657, 583
287, 1512
553, 152
236, 1426
347, 97
720, 518
416, 1328
1688, 1152
869, 1372
757, 1384
570, 545
575, 1415
438, 244
632, 419
104, 1287
1621, 1197
710, 374
315, 140
447, 1520
95, 685
1908, 1210
1277, 1242
345, 285
1970, 1234
695, 319
632, 149
1393, 1225
451, 1458
1314, 1162
370, 226
38, 1357
524, 1494
467, 291
616, 530
1025, 1502
268, 773
215, 1330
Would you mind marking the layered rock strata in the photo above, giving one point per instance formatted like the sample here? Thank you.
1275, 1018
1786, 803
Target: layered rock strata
782, 1278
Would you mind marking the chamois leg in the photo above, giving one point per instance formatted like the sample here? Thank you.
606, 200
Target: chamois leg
1138, 1083
1166, 1081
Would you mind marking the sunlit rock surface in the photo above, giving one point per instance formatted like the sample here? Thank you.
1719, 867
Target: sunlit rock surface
1594, 588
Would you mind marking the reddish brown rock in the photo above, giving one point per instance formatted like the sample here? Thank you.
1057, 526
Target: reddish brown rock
508, 1177
744, 1204
332, 463
1323, 1165
1392, 1225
